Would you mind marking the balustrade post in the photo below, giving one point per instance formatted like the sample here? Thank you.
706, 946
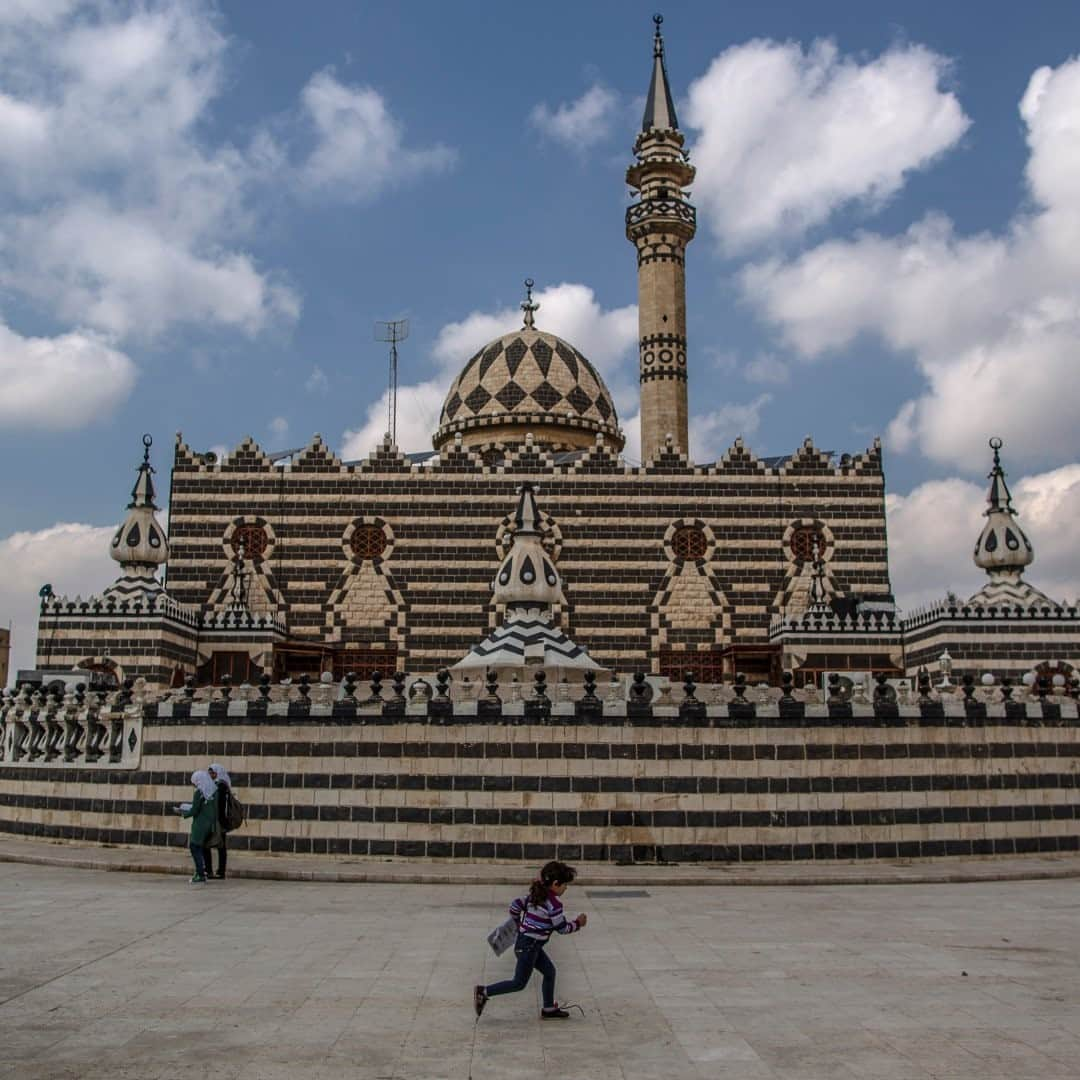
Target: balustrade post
53, 729
95, 734
73, 730
37, 729
489, 708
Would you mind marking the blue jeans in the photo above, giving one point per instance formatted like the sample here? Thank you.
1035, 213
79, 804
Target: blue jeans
200, 863
530, 954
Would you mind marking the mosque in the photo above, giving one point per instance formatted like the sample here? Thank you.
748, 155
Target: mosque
525, 550
526, 540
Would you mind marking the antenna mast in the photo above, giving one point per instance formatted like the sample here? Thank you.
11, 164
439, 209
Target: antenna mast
393, 332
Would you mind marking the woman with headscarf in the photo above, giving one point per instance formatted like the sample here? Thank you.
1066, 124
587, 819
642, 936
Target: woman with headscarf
216, 839
203, 813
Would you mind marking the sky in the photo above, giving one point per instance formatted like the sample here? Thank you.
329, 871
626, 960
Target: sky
206, 207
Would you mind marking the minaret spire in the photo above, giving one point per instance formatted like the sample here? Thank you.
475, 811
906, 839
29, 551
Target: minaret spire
660, 225
142, 494
659, 107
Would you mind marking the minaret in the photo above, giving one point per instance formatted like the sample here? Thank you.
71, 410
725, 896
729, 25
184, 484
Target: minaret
660, 225
1002, 550
139, 545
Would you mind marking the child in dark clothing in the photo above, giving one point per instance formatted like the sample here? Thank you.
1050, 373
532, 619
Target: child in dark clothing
539, 914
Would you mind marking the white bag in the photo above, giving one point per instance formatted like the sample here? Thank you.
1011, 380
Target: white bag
503, 936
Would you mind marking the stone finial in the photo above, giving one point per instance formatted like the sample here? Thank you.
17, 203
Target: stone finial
1002, 550
527, 576
139, 545
528, 305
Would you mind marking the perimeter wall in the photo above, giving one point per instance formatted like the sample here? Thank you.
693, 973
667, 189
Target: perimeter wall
730, 782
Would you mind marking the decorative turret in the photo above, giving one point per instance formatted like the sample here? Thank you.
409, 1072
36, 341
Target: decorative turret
1003, 550
660, 225
528, 584
527, 577
139, 545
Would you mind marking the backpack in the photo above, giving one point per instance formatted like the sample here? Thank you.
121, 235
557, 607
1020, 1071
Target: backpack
234, 813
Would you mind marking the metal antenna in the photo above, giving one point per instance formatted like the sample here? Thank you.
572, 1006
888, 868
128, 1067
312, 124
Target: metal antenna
393, 332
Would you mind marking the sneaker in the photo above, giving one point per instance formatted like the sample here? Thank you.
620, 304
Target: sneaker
220, 877
199, 879
554, 1014
479, 999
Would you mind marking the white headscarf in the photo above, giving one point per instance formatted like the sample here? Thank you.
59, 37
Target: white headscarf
201, 779
222, 775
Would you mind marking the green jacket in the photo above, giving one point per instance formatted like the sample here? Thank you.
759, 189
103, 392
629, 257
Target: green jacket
203, 814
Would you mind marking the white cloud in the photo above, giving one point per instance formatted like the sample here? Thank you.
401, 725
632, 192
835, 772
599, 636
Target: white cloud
61, 382
418, 410
631, 428
278, 427
119, 214
317, 382
134, 277
14, 12
767, 368
581, 123
992, 321
569, 310
71, 557
787, 136
932, 532
359, 149
712, 433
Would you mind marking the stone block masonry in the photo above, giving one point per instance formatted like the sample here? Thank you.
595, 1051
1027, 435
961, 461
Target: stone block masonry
719, 783
424, 589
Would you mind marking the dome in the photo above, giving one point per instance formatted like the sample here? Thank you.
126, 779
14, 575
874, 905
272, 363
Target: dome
529, 381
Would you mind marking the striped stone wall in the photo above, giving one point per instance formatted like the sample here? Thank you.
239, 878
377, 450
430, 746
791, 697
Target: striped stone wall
998, 642
729, 782
629, 596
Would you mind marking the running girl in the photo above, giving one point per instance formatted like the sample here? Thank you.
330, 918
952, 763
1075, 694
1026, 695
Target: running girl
539, 914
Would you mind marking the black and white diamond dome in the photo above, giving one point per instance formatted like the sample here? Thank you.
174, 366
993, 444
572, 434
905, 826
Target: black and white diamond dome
529, 381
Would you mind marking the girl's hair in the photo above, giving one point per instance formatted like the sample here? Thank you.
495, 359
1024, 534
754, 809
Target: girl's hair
552, 873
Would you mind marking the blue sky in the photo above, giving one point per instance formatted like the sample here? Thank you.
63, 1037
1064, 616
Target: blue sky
204, 208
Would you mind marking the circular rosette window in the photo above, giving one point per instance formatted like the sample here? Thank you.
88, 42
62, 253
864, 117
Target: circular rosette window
806, 540
688, 541
367, 540
253, 536
805, 543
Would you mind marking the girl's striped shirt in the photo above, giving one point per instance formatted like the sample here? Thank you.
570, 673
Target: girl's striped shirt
540, 921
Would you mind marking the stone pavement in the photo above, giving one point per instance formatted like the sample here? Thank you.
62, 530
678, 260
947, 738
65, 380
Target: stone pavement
120, 975
355, 870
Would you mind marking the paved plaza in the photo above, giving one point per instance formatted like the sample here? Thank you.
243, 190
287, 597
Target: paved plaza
123, 975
